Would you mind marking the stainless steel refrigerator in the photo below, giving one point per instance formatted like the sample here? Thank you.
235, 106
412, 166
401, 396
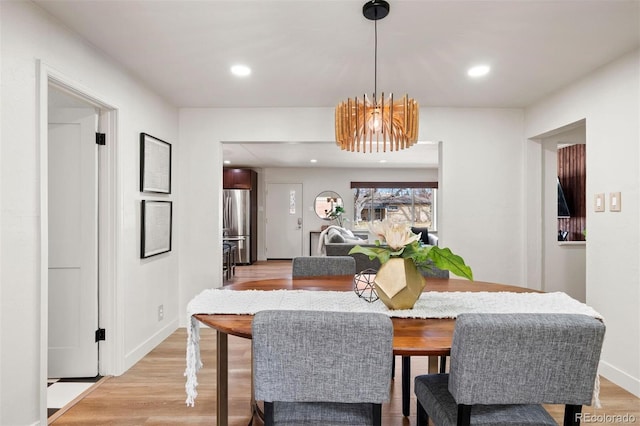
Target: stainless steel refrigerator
236, 222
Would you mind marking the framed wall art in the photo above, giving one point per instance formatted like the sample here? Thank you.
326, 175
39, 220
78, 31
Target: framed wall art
155, 165
156, 227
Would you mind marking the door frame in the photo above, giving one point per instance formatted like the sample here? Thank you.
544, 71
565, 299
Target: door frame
111, 351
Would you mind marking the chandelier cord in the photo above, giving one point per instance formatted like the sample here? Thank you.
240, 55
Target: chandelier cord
375, 63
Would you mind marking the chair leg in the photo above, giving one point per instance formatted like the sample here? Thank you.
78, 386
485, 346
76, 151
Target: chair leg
443, 364
572, 415
393, 366
232, 262
268, 413
464, 415
422, 418
225, 264
406, 385
377, 414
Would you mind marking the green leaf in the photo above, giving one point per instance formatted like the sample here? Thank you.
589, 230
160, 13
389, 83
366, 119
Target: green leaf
443, 258
416, 251
424, 256
372, 252
381, 253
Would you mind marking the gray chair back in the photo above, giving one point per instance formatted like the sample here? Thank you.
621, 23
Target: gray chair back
525, 358
311, 356
313, 266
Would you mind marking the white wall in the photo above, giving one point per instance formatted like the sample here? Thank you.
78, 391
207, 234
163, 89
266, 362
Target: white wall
315, 180
29, 34
481, 212
481, 209
609, 101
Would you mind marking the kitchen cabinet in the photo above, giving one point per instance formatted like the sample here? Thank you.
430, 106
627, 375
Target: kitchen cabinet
239, 179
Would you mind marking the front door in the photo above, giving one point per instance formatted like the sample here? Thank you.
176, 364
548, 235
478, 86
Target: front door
73, 243
284, 220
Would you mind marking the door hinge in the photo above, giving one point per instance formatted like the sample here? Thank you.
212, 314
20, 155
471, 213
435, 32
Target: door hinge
101, 334
101, 138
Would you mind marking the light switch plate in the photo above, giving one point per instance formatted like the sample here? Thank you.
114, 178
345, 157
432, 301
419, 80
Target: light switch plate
615, 202
598, 202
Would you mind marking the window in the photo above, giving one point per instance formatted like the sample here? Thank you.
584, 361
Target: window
412, 202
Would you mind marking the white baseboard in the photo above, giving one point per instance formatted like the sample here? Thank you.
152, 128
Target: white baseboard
148, 345
620, 378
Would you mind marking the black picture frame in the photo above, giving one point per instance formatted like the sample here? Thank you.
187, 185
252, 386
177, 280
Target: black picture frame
155, 165
156, 227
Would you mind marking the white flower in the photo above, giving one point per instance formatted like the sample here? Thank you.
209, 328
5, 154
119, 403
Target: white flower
378, 228
396, 235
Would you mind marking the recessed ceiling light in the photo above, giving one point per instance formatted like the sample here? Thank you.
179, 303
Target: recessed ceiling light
383, 161
240, 70
227, 162
313, 160
478, 70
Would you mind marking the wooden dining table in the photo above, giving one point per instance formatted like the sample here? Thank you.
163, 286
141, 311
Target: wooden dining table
411, 336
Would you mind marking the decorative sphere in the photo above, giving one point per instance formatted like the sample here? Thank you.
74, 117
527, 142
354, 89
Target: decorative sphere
363, 285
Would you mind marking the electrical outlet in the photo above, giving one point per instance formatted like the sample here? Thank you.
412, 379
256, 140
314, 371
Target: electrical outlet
160, 312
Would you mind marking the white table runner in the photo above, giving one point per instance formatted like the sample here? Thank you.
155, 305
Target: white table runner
430, 305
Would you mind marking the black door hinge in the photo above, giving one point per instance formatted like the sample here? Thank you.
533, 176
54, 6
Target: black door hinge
101, 138
101, 334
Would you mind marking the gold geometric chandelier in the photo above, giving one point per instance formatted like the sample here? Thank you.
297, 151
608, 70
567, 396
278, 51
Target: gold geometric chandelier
376, 125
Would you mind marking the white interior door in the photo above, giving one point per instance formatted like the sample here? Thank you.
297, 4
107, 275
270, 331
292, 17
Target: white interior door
73, 243
284, 220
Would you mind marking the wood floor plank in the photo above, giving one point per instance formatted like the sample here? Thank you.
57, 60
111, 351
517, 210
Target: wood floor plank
153, 391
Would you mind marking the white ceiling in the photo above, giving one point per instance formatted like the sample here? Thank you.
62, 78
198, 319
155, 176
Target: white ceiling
314, 53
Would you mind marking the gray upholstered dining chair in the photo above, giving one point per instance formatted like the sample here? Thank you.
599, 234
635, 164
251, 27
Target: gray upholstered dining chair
321, 368
314, 266
504, 366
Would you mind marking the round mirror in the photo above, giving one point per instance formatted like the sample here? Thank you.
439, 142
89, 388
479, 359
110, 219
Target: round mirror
325, 206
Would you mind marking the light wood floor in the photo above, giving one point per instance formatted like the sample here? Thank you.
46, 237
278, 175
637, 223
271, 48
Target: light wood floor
152, 392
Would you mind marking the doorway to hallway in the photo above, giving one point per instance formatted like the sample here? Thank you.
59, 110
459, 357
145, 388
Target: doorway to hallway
78, 238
